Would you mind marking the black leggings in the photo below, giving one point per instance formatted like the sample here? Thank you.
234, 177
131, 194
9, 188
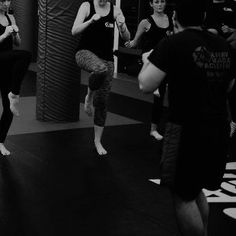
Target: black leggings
157, 107
14, 64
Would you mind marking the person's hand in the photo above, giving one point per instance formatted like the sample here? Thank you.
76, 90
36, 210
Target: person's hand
95, 17
129, 44
8, 31
226, 29
120, 20
145, 56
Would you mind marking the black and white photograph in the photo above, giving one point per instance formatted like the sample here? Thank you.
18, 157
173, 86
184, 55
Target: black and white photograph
118, 117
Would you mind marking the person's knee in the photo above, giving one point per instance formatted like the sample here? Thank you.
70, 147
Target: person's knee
79, 58
101, 70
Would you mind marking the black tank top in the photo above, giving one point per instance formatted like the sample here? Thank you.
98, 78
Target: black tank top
99, 36
152, 37
6, 44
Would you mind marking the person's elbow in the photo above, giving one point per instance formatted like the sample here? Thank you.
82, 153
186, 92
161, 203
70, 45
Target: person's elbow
73, 31
142, 85
143, 88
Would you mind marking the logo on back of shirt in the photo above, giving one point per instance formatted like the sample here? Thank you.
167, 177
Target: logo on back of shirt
215, 63
109, 25
201, 55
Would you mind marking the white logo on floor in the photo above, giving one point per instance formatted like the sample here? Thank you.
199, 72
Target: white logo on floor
227, 193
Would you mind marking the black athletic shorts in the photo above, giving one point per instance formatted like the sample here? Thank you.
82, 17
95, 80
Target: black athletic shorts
194, 157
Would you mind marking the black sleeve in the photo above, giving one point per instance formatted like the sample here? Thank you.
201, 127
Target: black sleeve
171, 26
160, 55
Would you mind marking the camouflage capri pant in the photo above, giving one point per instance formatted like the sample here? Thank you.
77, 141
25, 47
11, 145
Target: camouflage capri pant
100, 81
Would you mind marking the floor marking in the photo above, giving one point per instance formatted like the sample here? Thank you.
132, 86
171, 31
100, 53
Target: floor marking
231, 212
226, 194
155, 181
231, 166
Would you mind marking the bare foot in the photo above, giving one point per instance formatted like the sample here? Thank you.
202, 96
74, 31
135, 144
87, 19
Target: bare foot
14, 102
100, 149
3, 150
88, 106
156, 135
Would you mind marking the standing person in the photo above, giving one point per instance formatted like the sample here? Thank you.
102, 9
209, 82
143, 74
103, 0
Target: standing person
14, 64
221, 19
150, 31
95, 22
201, 70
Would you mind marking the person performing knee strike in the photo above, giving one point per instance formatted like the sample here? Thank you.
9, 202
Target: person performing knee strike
95, 23
14, 65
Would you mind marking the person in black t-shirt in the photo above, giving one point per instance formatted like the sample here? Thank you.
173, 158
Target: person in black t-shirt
201, 71
150, 31
95, 24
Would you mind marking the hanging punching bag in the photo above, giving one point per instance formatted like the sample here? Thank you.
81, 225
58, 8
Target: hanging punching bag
25, 12
58, 78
